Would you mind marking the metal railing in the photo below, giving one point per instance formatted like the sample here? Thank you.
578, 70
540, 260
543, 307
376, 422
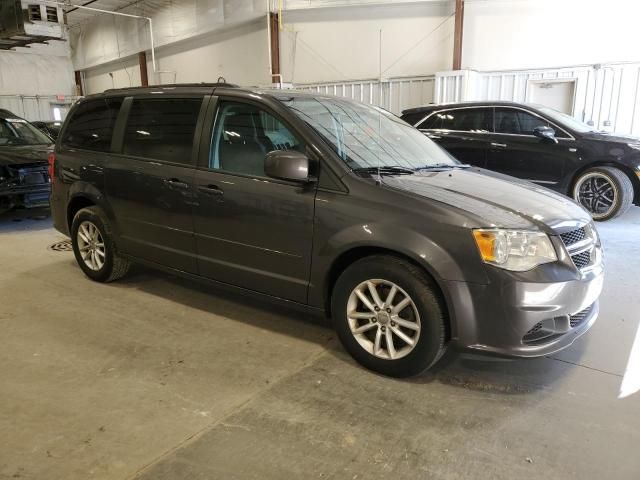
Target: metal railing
394, 94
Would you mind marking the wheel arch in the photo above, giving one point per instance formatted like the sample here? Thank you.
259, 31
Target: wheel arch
353, 254
84, 195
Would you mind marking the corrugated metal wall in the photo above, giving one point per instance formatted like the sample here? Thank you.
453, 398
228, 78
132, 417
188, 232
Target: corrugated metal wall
393, 95
607, 95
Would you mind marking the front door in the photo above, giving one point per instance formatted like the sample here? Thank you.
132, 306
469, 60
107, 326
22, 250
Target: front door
252, 231
463, 132
517, 152
150, 184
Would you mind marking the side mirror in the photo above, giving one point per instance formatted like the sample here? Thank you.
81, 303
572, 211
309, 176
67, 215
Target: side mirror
287, 165
546, 134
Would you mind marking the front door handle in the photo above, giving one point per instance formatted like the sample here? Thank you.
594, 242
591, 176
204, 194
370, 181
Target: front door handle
211, 189
176, 183
498, 145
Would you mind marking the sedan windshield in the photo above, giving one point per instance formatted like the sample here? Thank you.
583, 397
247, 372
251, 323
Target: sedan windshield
367, 137
567, 120
16, 131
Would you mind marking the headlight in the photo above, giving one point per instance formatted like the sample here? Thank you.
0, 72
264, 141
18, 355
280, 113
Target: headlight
635, 146
516, 250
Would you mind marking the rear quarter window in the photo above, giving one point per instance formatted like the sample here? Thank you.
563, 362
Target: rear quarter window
91, 124
162, 129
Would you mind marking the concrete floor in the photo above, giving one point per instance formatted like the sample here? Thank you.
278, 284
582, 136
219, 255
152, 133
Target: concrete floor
157, 378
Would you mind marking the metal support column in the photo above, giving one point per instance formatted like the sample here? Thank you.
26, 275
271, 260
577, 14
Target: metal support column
144, 76
457, 35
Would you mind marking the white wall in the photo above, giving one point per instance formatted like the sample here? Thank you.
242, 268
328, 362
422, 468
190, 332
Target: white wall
107, 38
39, 70
342, 43
239, 54
119, 74
518, 34
31, 79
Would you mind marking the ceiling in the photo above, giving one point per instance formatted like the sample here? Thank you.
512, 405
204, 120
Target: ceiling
77, 15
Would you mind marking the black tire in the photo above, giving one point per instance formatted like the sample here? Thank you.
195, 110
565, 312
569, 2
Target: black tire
430, 344
114, 266
623, 190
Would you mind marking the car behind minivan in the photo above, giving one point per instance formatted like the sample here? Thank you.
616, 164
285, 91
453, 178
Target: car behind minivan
330, 204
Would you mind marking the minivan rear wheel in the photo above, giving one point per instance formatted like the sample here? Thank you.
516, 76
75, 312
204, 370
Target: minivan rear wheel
389, 316
93, 246
605, 192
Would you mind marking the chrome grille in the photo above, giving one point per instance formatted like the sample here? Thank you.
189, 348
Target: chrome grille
574, 236
582, 259
580, 244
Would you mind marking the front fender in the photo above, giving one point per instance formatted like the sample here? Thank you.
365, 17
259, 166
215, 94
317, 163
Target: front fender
447, 255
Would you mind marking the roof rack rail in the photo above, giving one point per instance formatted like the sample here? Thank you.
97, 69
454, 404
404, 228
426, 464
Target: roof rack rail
173, 85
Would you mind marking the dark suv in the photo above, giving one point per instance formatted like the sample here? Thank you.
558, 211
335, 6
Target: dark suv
536, 143
24, 176
331, 204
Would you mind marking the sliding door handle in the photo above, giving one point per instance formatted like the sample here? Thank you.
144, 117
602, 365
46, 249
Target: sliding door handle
211, 189
176, 183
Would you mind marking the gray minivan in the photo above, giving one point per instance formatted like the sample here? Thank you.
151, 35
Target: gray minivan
329, 204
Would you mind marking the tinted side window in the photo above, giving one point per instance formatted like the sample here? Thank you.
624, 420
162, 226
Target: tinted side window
242, 137
162, 128
91, 126
509, 120
466, 119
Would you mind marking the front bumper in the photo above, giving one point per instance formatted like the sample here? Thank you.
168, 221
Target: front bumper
524, 319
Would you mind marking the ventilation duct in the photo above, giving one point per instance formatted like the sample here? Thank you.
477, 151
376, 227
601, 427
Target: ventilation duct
23, 22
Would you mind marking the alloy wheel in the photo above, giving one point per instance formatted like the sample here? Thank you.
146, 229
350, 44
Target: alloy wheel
383, 319
597, 193
91, 245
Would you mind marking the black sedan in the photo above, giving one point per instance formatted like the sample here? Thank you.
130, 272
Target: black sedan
24, 176
599, 170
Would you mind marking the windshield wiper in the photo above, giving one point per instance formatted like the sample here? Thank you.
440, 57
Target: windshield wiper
439, 166
386, 170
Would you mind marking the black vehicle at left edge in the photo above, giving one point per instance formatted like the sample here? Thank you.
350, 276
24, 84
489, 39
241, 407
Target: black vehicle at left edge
599, 170
24, 175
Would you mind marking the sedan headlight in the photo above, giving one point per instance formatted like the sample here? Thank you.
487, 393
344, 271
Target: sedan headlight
516, 250
635, 146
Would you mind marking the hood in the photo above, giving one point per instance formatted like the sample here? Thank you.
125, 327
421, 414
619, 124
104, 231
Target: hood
610, 137
495, 199
24, 154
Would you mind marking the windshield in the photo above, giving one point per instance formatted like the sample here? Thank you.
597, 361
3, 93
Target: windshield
368, 137
16, 131
567, 120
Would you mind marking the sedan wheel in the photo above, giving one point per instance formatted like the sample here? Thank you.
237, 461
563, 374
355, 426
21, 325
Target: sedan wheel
605, 192
597, 193
383, 319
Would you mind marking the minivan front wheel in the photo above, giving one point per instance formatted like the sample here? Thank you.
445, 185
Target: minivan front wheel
389, 316
93, 246
605, 192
